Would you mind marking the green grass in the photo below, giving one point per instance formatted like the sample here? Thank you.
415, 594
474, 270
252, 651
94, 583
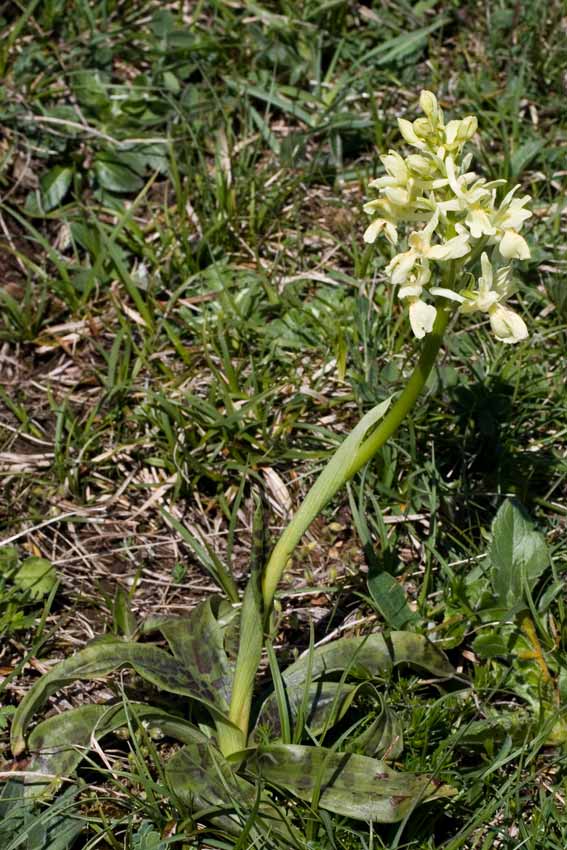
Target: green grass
187, 308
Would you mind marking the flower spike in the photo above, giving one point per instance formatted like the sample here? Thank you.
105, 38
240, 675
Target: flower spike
451, 212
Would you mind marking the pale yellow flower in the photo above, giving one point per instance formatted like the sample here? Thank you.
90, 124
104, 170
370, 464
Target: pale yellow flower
493, 288
433, 189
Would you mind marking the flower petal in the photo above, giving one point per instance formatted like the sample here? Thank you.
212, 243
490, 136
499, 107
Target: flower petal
507, 325
514, 247
373, 230
409, 134
400, 266
447, 293
422, 316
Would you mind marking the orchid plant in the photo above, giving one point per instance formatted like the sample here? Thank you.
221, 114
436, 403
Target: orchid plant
458, 258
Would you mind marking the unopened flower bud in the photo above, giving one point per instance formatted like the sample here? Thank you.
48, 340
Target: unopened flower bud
429, 105
409, 134
422, 128
420, 165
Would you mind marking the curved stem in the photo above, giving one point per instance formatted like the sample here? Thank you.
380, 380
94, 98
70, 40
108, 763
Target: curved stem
389, 425
250, 650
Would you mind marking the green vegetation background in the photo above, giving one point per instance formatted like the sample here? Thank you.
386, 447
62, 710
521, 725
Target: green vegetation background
188, 310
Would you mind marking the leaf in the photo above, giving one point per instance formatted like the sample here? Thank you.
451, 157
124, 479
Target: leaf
368, 657
207, 558
59, 744
326, 704
99, 659
24, 827
123, 619
55, 185
400, 46
522, 157
390, 599
90, 88
202, 778
9, 559
198, 642
115, 177
387, 594
37, 576
382, 739
147, 838
490, 644
518, 555
272, 98
247, 663
347, 784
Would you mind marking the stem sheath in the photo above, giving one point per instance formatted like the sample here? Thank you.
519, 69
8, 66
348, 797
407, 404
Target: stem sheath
250, 650
388, 426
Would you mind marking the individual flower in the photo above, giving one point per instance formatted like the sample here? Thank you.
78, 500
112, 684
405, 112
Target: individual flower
421, 315
508, 220
492, 290
421, 248
378, 226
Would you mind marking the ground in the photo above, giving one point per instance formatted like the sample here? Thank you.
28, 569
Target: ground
190, 319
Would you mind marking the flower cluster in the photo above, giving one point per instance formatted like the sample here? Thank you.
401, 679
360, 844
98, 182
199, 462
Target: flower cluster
459, 219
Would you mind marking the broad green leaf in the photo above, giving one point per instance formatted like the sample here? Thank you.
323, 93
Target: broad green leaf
382, 739
518, 555
492, 730
59, 744
200, 776
198, 642
115, 177
155, 665
90, 88
326, 704
368, 657
202, 779
489, 644
148, 838
390, 599
37, 576
347, 784
55, 185
9, 558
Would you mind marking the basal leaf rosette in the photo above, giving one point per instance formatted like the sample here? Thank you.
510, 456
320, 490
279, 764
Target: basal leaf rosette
452, 218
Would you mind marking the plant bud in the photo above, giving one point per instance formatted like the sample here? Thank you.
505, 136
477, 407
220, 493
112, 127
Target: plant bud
429, 105
422, 128
468, 128
420, 165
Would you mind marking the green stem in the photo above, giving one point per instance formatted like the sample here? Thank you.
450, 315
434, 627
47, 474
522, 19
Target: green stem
250, 647
389, 425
